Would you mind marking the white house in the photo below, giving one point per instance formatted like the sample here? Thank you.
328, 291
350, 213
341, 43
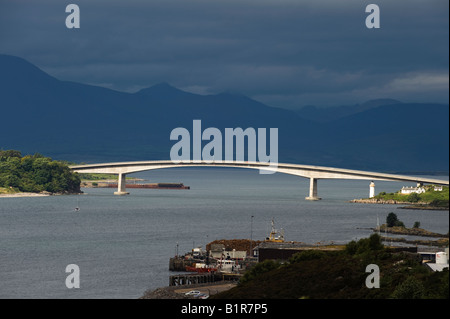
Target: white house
218, 252
410, 190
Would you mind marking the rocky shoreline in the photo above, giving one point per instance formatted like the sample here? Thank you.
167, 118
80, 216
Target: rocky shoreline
15, 195
41, 194
409, 231
423, 207
383, 201
409, 205
442, 242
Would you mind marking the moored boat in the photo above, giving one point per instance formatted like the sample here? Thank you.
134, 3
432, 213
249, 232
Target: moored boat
201, 268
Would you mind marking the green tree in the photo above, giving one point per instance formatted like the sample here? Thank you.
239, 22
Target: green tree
392, 220
411, 288
414, 197
259, 269
307, 255
364, 245
10, 153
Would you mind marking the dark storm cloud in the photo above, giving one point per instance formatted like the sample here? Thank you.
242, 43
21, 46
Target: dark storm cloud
286, 53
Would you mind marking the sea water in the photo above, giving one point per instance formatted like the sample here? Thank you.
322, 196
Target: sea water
122, 244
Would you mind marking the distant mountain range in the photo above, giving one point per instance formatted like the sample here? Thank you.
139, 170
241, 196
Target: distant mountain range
329, 114
84, 123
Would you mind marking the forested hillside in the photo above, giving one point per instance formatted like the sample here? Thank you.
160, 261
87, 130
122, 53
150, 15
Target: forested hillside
36, 173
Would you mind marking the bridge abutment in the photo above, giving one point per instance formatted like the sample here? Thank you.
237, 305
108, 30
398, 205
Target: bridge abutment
313, 195
121, 185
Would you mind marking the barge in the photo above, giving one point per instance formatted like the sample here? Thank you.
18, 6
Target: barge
152, 186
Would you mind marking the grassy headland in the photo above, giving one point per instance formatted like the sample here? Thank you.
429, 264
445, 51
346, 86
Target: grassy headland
97, 177
430, 199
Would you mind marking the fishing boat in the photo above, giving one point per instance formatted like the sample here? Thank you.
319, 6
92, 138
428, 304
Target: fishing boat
275, 235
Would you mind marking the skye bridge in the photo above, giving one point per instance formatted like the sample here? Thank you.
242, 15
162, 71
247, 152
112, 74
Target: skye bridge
314, 173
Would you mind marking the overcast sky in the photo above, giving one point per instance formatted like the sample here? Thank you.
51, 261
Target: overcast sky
285, 53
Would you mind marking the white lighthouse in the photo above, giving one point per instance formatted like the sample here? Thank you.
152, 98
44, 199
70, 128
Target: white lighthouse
372, 190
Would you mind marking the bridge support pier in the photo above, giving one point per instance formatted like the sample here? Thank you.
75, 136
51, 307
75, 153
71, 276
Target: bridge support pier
121, 185
313, 190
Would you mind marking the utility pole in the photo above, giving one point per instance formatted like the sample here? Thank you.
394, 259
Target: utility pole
251, 235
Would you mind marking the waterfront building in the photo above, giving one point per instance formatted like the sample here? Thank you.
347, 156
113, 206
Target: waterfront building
410, 190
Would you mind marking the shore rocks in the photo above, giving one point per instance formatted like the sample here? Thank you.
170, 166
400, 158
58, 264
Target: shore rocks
380, 201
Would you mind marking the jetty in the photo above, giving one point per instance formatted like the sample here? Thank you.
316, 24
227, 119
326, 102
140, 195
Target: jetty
151, 185
197, 279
